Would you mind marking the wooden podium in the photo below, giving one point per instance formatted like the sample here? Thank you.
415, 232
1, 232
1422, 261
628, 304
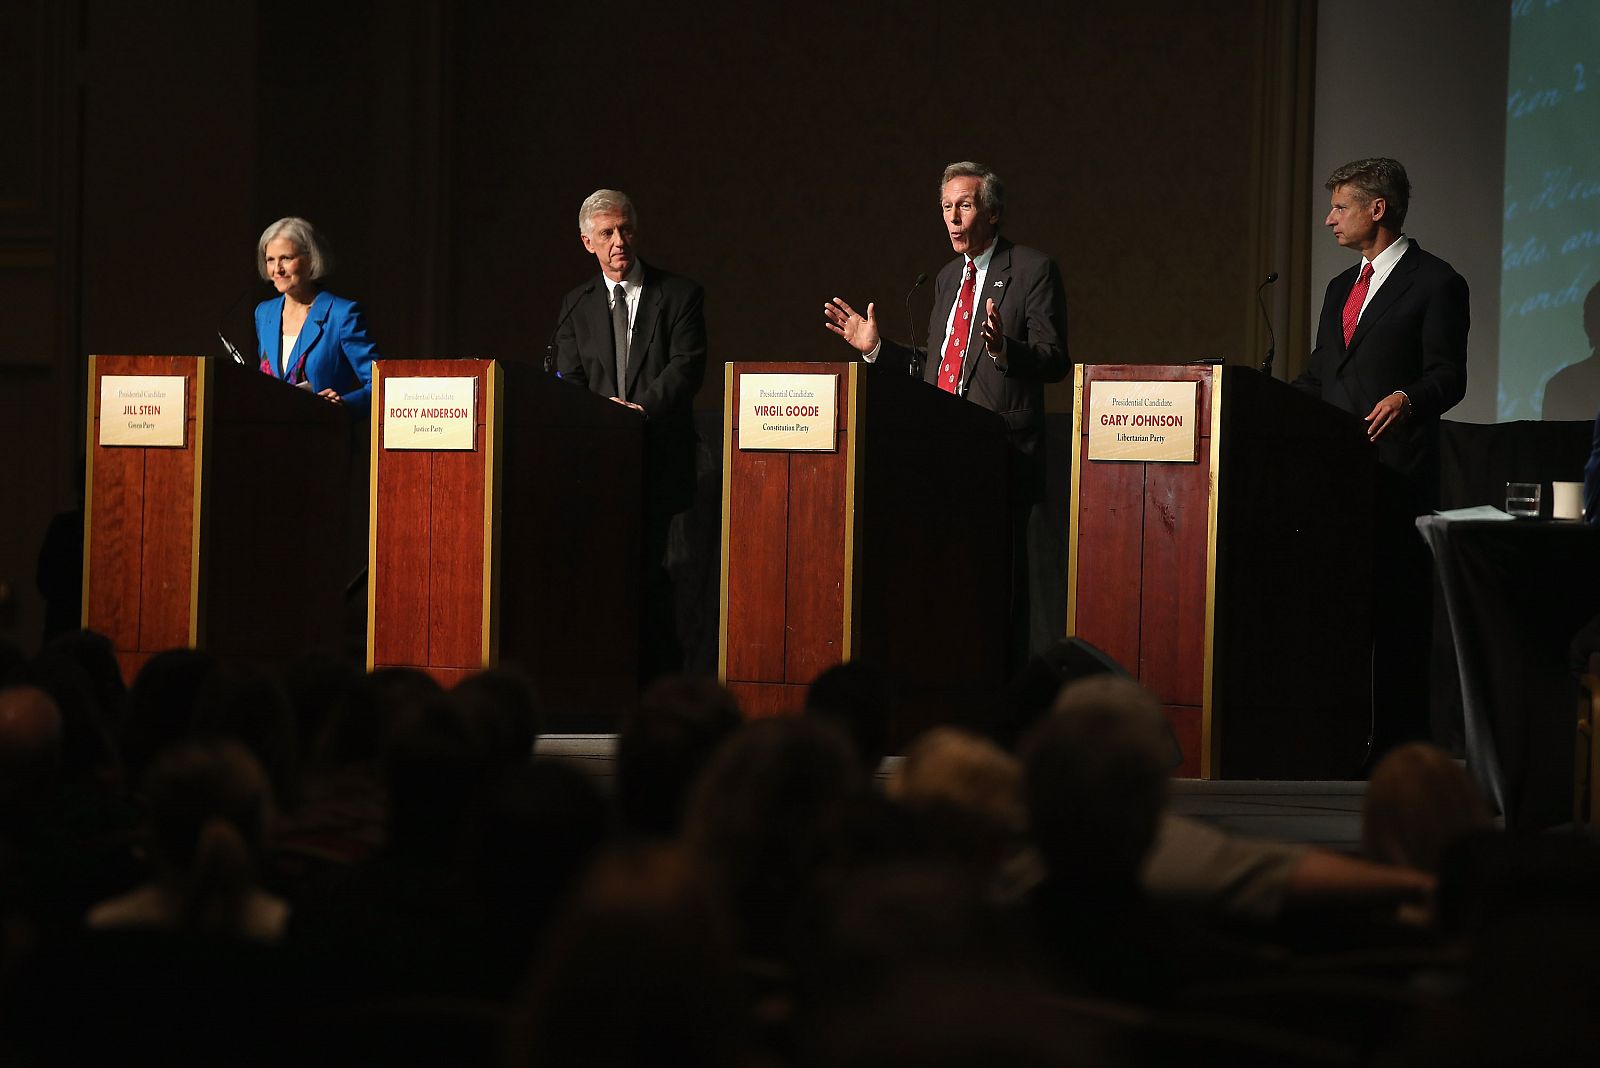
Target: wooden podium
523, 545
1236, 584
889, 544
226, 535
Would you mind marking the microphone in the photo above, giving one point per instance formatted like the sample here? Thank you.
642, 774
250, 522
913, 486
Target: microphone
230, 347
1272, 340
915, 367
550, 346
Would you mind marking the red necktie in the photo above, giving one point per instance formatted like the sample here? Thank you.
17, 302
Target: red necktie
1352, 304
955, 345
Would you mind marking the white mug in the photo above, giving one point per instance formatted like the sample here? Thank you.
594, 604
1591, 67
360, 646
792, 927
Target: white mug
1566, 500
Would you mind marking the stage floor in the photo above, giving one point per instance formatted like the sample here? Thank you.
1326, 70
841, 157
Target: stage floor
1317, 813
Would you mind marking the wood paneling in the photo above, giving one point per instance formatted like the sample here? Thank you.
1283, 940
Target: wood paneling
1110, 561
763, 700
758, 551
814, 593
399, 583
457, 557
1173, 599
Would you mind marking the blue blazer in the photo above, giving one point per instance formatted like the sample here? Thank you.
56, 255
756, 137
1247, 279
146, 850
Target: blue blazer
332, 352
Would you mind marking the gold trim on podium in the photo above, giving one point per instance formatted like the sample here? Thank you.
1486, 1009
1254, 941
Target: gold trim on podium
492, 465
727, 482
1073, 501
852, 469
202, 436
372, 510
1210, 759
88, 484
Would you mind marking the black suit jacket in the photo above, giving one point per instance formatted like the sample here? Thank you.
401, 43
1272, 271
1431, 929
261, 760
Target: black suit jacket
1025, 286
666, 363
1412, 337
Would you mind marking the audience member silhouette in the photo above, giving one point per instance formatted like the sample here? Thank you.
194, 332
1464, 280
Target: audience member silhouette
662, 746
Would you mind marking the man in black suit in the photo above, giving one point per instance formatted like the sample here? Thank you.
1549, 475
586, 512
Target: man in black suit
637, 335
1392, 340
1000, 314
1392, 349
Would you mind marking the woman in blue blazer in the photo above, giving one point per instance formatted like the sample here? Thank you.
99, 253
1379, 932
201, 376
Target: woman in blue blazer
306, 336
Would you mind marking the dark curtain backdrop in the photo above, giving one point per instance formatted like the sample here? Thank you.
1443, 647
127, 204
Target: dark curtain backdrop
778, 154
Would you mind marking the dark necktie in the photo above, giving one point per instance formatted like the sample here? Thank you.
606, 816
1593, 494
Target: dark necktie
955, 347
1352, 305
619, 337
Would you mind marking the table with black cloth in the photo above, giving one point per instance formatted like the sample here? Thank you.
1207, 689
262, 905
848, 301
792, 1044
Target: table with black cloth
1516, 593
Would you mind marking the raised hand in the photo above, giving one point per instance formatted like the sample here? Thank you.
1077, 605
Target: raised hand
861, 333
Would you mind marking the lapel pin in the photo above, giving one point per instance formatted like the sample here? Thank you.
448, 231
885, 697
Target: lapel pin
999, 283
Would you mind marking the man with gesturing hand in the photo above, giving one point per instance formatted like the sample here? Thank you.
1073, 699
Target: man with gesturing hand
999, 321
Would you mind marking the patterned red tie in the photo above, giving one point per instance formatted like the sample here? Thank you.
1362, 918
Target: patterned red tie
955, 345
1352, 304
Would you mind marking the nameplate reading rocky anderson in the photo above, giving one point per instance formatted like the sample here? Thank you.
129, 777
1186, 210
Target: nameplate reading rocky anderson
430, 413
789, 412
142, 409
1153, 422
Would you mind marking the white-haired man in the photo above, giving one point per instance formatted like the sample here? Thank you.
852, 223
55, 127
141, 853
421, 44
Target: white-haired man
637, 334
999, 320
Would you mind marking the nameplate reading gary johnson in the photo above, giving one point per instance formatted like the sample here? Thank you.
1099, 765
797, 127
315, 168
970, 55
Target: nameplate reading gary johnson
430, 413
1154, 422
792, 412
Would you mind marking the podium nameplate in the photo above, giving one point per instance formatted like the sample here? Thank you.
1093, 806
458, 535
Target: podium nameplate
1151, 422
437, 414
142, 410
788, 412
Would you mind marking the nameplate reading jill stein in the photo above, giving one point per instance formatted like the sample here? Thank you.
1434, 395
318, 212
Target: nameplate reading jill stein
142, 409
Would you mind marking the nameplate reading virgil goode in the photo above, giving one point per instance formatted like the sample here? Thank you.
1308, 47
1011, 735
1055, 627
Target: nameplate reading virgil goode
430, 413
142, 409
1153, 422
792, 412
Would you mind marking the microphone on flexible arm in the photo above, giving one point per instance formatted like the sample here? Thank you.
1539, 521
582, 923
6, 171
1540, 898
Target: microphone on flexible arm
911, 325
550, 346
1272, 339
232, 349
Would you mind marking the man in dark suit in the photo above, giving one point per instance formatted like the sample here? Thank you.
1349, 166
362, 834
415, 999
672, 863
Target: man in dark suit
1392, 349
637, 335
1000, 317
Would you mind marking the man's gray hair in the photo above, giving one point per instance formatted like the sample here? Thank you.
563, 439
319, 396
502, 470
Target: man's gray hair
605, 202
304, 237
992, 192
1377, 177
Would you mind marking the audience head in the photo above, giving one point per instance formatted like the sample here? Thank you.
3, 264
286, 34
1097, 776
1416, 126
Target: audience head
950, 768
662, 746
1095, 781
1034, 689
355, 736
93, 652
855, 696
208, 806
433, 765
160, 706
30, 741
1419, 802
639, 971
764, 814
250, 705
503, 707
88, 756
